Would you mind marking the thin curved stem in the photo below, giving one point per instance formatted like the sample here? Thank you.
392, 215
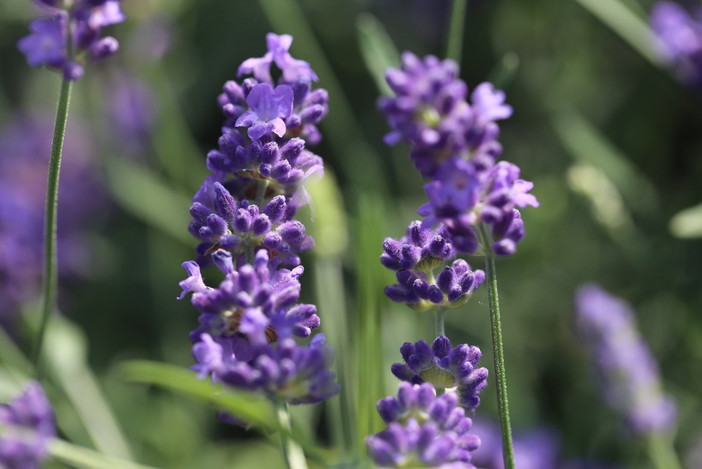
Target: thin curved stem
292, 454
50, 279
498, 351
454, 47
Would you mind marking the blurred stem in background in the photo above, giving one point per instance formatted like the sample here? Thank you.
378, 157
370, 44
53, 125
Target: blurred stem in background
50, 277
454, 46
498, 350
661, 451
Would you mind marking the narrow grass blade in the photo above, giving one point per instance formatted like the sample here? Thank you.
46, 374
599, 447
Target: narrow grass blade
146, 196
378, 50
66, 359
589, 146
626, 24
83, 458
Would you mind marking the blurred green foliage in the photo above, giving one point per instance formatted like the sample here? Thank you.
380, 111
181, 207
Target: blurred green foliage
611, 140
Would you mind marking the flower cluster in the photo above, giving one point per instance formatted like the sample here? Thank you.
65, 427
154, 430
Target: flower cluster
444, 367
24, 150
626, 370
26, 426
679, 39
423, 430
70, 35
454, 145
243, 216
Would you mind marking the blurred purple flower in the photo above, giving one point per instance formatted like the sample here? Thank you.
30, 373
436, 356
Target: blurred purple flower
25, 145
423, 430
627, 372
679, 38
27, 427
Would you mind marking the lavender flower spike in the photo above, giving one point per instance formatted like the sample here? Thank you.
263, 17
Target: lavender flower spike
444, 367
27, 425
84, 19
626, 370
268, 109
423, 431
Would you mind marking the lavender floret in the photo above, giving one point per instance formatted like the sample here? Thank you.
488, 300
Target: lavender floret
627, 372
27, 427
423, 430
444, 367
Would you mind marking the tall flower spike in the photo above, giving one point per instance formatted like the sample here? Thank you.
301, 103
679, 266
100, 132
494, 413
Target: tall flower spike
80, 23
27, 425
444, 367
423, 430
627, 372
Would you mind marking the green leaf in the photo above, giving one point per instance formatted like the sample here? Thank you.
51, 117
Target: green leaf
589, 146
146, 196
65, 356
630, 27
84, 458
687, 223
378, 51
247, 406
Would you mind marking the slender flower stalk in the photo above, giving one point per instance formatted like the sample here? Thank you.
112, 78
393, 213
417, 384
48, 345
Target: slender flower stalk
292, 453
498, 353
50, 280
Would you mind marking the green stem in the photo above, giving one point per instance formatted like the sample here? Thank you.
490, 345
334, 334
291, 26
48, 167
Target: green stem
50, 279
661, 451
498, 352
455, 38
292, 453
439, 316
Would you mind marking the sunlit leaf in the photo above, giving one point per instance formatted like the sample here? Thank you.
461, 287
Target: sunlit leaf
84, 458
687, 223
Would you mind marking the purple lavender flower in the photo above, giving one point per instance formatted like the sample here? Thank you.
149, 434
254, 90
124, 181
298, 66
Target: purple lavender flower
222, 223
24, 151
423, 430
281, 371
627, 372
268, 109
278, 47
420, 249
431, 113
48, 42
27, 427
420, 291
444, 367
255, 304
679, 39
463, 196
